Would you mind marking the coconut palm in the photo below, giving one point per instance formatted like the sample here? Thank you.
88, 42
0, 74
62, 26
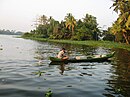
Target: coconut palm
123, 21
53, 27
70, 22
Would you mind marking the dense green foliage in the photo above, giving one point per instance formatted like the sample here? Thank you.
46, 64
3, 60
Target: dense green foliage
69, 28
121, 27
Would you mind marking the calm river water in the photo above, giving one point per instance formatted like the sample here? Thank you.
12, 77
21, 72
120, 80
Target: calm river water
25, 71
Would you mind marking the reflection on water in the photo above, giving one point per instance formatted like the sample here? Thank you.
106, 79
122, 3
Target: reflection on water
25, 71
119, 82
62, 68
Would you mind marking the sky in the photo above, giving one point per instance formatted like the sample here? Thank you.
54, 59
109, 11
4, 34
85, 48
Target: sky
20, 15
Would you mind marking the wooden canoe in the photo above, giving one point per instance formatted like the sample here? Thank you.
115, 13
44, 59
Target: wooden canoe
101, 58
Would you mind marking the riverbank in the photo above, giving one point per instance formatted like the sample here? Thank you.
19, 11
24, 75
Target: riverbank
106, 44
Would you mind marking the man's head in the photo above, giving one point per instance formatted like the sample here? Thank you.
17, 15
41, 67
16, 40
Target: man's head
63, 49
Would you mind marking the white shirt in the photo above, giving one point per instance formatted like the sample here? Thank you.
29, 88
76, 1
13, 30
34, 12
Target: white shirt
60, 54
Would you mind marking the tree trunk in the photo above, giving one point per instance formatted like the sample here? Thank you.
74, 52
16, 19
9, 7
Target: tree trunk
127, 42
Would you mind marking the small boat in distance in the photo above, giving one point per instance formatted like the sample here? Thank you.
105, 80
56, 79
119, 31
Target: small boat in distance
99, 58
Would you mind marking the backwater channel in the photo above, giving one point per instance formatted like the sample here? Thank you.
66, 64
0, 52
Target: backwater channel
25, 71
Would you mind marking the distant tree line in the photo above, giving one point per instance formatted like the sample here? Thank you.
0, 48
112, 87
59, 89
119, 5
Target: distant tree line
8, 32
69, 28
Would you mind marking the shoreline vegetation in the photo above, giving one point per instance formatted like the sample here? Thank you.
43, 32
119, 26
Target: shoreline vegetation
106, 44
85, 31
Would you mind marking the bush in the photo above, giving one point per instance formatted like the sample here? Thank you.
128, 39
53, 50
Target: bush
109, 37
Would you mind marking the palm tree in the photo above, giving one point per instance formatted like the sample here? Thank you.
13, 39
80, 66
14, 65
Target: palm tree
42, 20
53, 26
91, 23
70, 22
123, 21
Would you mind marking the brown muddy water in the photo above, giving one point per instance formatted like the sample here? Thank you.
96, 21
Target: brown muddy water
25, 71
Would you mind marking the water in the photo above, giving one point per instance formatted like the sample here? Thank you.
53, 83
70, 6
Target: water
21, 61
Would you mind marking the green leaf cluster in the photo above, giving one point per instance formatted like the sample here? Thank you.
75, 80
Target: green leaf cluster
121, 27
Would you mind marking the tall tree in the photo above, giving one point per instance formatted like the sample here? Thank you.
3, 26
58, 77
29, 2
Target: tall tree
53, 27
42, 20
41, 29
70, 22
63, 31
91, 24
123, 22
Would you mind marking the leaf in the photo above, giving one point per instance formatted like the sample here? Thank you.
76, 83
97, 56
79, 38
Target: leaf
128, 23
48, 93
39, 73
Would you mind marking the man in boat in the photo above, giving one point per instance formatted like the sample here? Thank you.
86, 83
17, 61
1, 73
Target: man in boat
61, 54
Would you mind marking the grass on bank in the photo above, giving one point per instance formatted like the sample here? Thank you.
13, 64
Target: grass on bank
106, 44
